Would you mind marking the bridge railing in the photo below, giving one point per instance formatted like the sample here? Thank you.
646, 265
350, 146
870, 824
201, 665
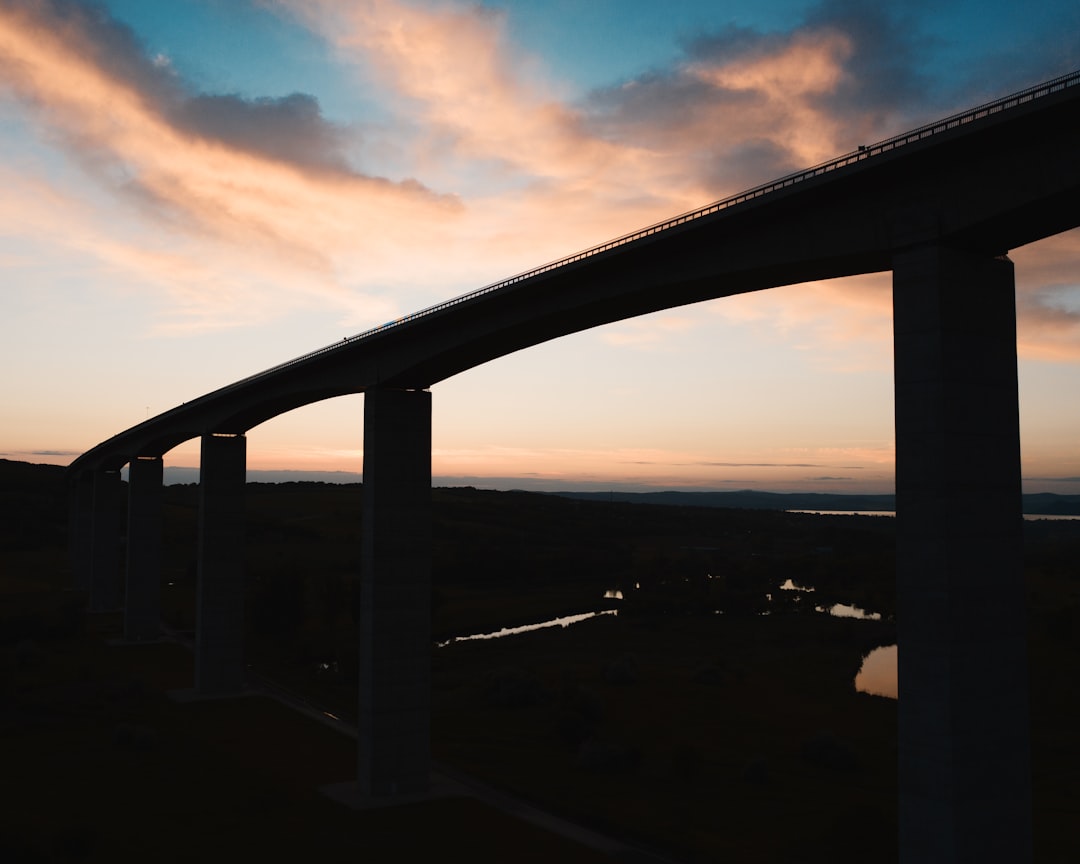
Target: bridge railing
862, 153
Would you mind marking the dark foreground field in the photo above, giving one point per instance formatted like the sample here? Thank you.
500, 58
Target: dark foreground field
704, 736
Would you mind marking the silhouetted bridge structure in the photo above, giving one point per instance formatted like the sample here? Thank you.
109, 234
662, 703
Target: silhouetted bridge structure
939, 206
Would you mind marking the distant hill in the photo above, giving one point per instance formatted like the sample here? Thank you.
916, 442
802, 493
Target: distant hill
748, 499
1044, 503
33, 512
18, 477
1050, 504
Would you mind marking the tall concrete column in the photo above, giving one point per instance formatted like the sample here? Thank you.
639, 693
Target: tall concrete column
395, 595
142, 605
105, 578
219, 621
964, 763
81, 531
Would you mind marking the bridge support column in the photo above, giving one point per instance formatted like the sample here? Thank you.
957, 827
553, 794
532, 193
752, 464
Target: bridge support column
395, 595
964, 763
142, 606
219, 622
105, 543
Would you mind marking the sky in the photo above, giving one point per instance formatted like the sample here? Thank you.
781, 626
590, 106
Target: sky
196, 190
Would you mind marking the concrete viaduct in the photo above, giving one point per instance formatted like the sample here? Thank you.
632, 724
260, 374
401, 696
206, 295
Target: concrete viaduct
939, 206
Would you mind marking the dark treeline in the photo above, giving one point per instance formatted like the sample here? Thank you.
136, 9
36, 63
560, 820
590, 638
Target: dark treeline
690, 730
1040, 503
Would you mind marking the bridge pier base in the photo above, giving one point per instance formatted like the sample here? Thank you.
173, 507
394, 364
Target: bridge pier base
964, 749
219, 622
104, 583
394, 721
142, 603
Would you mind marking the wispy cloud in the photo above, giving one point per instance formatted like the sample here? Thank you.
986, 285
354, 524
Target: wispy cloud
259, 206
1048, 298
759, 465
232, 178
648, 332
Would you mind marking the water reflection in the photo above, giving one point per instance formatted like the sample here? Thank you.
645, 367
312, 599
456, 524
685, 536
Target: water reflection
890, 513
791, 586
843, 610
876, 676
565, 621
878, 673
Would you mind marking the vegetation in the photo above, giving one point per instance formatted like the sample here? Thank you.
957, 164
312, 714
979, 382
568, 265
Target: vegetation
690, 722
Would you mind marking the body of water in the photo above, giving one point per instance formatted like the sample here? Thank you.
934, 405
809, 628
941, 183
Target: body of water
878, 673
845, 610
1030, 517
565, 621
846, 512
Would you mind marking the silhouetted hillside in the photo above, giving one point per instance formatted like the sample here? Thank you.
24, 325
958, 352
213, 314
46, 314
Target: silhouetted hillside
1043, 503
714, 707
33, 517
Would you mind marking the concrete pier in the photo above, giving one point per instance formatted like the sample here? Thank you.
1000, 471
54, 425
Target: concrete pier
964, 763
219, 622
394, 749
105, 577
142, 604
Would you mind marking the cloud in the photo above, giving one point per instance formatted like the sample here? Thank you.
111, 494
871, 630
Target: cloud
67, 59
1048, 298
202, 285
744, 106
846, 324
290, 130
759, 465
477, 114
648, 331
257, 207
229, 183
476, 96
889, 49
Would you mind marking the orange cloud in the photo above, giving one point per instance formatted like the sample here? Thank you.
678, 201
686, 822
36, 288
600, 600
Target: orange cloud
841, 324
258, 210
1048, 298
649, 331
784, 84
472, 91
558, 177
213, 196
855, 467
846, 324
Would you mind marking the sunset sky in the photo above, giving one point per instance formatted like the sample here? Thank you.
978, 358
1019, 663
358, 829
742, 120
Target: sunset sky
195, 190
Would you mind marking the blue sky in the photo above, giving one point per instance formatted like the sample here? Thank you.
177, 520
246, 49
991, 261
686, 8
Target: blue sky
199, 189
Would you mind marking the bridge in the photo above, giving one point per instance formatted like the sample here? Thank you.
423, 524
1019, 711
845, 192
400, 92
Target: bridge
940, 206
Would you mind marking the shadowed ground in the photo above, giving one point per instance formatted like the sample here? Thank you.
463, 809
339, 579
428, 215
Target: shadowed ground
734, 737
100, 765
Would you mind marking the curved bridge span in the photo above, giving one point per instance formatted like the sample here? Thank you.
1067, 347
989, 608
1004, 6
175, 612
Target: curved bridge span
940, 206
987, 180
